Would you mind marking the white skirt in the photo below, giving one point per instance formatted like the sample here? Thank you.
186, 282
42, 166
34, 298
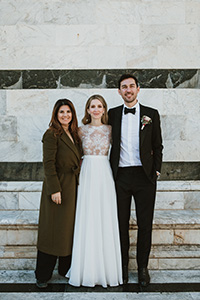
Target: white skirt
96, 255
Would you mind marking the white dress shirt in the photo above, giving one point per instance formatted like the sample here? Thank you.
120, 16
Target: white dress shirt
129, 147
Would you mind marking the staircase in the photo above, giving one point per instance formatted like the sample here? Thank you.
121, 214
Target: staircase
176, 234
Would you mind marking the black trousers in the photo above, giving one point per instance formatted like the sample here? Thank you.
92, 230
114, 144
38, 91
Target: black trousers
132, 181
46, 264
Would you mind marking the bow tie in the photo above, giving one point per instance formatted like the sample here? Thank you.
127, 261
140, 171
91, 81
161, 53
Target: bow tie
129, 110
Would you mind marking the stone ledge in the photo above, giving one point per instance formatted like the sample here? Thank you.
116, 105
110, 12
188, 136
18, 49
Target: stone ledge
36, 186
162, 219
157, 276
157, 251
33, 171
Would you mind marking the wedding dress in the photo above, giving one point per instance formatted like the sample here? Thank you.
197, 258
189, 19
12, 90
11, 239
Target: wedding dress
96, 255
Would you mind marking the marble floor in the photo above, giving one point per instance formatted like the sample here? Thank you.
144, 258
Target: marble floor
25, 283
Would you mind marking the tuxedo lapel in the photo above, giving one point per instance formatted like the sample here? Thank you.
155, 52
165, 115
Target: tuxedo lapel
64, 137
142, 131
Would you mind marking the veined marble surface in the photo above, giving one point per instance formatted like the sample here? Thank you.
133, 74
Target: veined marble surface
157, 276
36, 186
21, 126
162, 219
101, 296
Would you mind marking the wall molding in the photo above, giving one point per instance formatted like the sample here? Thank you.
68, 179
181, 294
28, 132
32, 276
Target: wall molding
33, 171
97, 78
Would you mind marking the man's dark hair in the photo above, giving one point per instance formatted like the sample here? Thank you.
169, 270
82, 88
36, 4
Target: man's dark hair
126, 76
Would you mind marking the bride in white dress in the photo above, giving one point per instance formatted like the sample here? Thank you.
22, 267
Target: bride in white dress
96, 255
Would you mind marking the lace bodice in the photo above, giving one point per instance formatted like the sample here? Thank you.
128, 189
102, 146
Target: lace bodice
95, 139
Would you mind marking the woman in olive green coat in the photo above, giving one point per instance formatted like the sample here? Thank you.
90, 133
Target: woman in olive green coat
61, 161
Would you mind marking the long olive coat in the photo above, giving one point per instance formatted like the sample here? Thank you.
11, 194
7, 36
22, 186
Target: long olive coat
61, 161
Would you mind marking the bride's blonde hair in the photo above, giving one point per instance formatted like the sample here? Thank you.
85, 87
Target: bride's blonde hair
87, 118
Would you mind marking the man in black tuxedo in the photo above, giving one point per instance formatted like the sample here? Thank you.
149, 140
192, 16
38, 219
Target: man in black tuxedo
135, 158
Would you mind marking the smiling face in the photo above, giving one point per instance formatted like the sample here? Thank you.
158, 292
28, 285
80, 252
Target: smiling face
64, 115
96, 109
129, 90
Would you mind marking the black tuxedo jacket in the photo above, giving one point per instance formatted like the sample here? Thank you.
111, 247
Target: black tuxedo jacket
150, 141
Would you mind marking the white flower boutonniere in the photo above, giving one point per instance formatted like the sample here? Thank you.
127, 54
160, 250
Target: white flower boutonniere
145, 121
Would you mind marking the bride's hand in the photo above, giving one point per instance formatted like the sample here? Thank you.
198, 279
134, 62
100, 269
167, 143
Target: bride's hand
56, 197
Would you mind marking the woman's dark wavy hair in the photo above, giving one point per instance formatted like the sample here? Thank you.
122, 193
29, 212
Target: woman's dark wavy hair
55, 125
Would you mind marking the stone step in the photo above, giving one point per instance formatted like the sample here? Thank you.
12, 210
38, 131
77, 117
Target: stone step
180, 284
176, 240
157, 276
162, 257
170, 195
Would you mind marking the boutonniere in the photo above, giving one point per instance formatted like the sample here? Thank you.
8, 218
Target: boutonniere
145, 120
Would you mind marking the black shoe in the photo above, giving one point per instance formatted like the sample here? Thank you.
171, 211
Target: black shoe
125, 274
143, 277
41, 284
62, 274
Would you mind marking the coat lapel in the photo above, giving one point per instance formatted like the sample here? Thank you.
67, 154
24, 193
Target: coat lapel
118, 123
64, 137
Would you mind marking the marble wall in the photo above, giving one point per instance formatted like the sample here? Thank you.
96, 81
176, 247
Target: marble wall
53, 49
91, 34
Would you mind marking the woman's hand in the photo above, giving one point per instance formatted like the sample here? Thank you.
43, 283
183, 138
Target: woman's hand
56, 198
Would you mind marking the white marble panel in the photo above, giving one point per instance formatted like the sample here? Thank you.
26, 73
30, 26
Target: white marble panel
17, 264
175, 217
3, 237
116, 12
19, 251
127, 35
23, 218
187, 237
137, 57
192, 12
8, 128
177, 100
29, 200
152, 98
66, 58
32, 128
177, 264
177, 57
192, 126
81, 35
26, 103
2, 102
187, 185
133, 237
169, 200
174, 128
26, 35
158, 34
21, 237
161, 12
167, 251
9, 200
176, 150
70, 12
19, 11
16, 57
162, 237
192, 200
106, 57
188, 35
21, 151
20, 186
